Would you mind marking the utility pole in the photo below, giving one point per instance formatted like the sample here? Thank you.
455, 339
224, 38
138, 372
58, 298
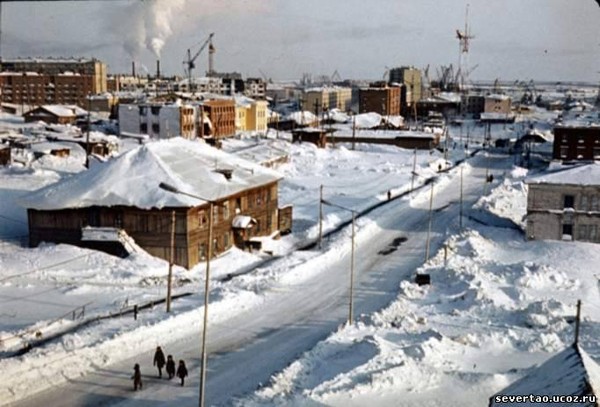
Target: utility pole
206, 295
577, 322
87, 134
414, 171
320, 215
353, 131
350, 311
171, 261
461, 198
430, 221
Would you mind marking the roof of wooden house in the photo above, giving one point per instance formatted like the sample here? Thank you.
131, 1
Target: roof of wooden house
133, 178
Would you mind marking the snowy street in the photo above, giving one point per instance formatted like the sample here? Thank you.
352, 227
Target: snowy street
295, 313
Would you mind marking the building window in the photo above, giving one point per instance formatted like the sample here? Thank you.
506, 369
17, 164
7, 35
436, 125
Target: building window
569, 201
119, 220
202, 251
582, 232
593, 233
225, 210
584, 203
215, 213
594, 203
564, 151
226, 241
143, 110
155, 128
567, 229
155, 110
143, 127
201, 219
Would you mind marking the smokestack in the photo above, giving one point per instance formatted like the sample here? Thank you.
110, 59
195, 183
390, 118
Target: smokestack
133, 68
158, 69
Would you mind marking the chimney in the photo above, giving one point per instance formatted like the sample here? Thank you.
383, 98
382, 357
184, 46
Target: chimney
158, 69
133, 68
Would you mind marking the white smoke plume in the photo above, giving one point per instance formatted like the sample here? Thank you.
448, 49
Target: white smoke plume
149, 25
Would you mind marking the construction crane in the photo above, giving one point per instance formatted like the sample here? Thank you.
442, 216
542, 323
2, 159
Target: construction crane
190, 61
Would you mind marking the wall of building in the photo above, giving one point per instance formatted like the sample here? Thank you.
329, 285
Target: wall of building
576, 143
222, 116
385, 101
547, 215
497, 104
256, 117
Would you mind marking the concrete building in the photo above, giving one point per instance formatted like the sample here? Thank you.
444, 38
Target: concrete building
383, 100
410, 79
159, 120
565, 204
251, 115
316, 100
500, 104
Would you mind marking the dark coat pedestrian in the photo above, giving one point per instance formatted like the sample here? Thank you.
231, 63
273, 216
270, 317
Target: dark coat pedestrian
182, 371
137, 377
170, 366
159, 360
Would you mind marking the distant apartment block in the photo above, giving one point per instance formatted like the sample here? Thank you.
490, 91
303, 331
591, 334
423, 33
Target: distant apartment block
384, 100
251, 115
318, 99
51, 81
576, 143
412, 84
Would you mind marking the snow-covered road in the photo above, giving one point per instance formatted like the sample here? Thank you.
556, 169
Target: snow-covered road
247, 349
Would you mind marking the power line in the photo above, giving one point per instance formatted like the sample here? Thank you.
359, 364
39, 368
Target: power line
44, 268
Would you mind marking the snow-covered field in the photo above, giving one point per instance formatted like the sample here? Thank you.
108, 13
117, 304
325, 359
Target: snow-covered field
496, 306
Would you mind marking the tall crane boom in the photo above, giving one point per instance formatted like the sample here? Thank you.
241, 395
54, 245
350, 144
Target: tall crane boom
190, 61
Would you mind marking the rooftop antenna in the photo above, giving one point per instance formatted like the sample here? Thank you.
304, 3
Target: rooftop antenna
464, 41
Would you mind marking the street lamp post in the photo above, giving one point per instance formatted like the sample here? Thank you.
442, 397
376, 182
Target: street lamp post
350, 303
211, 205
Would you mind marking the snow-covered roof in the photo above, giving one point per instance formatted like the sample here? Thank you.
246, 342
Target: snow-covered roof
367, 120
242, 222
587, 174
64, 110
132, 179
570, 372
304, 117
498, 97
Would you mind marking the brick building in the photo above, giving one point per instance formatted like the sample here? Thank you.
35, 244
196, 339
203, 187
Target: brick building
51, 81
576, 143
382, 100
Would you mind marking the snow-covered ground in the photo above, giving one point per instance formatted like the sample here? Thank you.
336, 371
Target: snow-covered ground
499, 303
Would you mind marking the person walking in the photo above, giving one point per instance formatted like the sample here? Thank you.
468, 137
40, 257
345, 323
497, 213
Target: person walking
137, 377
182, 371
159, 360
170, 367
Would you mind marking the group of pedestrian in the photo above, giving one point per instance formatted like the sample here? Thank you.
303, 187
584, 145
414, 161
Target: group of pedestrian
160, 362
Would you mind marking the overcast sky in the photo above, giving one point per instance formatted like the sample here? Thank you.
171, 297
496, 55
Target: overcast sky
514, 39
